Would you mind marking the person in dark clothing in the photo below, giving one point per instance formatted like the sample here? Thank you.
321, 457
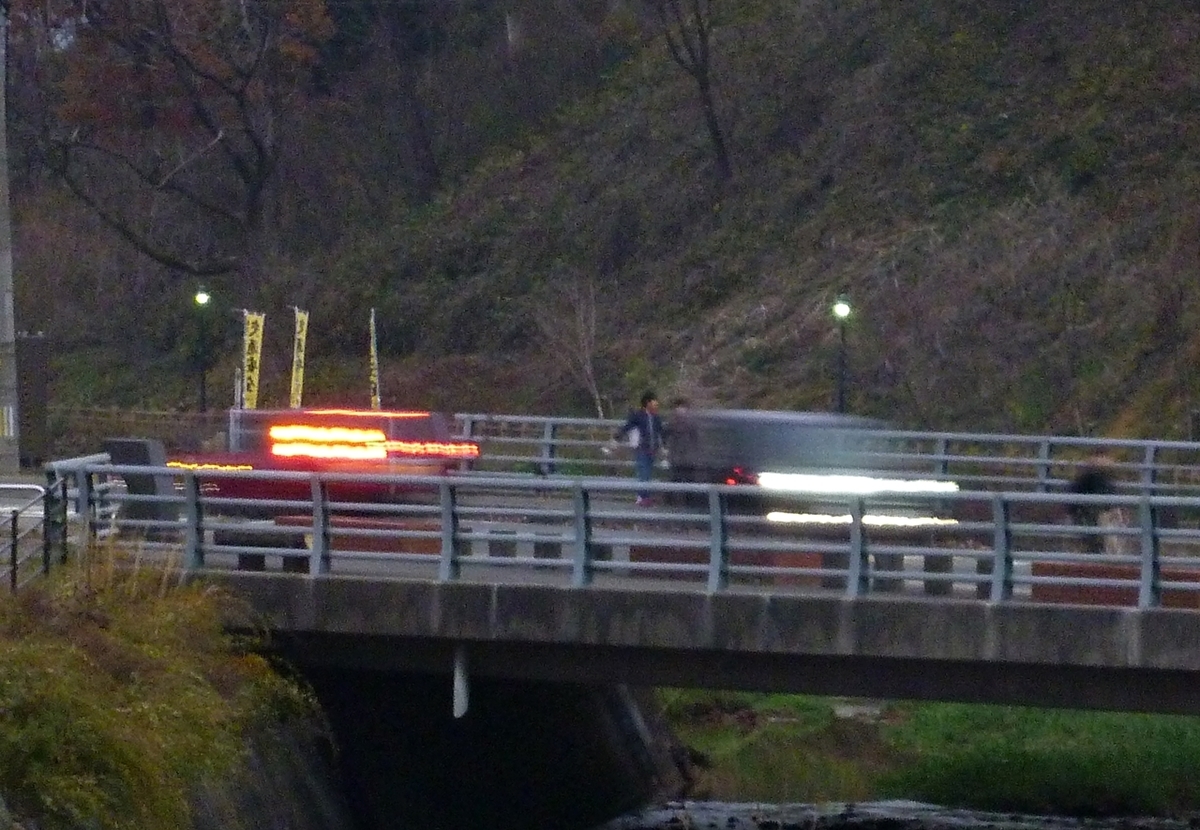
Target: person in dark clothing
650, 435
1095, 478
683, 442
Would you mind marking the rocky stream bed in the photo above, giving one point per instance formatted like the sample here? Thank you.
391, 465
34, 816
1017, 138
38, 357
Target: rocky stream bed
880, 815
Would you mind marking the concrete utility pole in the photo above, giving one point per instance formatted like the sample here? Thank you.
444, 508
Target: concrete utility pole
10, 456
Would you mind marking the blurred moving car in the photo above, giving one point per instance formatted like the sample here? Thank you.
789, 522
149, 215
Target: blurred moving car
813, 464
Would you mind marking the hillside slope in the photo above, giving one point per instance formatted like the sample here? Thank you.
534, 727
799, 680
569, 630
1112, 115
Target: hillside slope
1006, 190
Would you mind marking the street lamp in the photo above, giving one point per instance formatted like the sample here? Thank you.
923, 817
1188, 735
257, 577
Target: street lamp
202, 299
841, 311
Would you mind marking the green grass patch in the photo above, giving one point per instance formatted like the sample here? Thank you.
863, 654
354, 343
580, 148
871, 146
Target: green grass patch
1046, 761
773, 748
791, 748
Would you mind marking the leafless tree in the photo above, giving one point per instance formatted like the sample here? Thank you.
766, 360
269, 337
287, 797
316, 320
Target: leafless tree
687, 27
565, 314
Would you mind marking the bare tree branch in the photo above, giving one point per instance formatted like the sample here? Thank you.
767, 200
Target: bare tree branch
688, 33
215, 86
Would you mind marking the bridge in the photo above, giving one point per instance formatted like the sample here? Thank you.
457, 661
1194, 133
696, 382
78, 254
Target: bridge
499, 624
533, 563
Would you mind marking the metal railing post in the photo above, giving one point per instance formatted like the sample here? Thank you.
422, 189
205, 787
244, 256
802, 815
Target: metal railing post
54, 522
48, 519
448, 566
193, 545
548, 450
468, 434
12, 578
1150, 583
1002, 559
1043, 474
1149, 469
319, 557
63, 520
718, 543
84, 505
941, 461
858, 579
582, 566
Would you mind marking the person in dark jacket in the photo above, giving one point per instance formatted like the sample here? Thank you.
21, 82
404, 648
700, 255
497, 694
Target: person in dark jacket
683, 441
1095, 478
650, 435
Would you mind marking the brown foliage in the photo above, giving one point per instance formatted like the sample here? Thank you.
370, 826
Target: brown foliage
167, 116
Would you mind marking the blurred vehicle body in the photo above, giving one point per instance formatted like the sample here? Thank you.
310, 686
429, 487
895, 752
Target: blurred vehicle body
817, 462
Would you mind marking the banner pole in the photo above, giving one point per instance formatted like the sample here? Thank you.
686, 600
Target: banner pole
375, 401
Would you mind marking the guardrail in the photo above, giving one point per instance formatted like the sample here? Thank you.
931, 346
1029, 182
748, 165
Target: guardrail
84, 494
1140, 550
1043, 463
36, 528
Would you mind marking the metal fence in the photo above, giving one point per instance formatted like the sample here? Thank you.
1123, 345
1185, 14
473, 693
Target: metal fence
1043, 463
36, 530
1139, 549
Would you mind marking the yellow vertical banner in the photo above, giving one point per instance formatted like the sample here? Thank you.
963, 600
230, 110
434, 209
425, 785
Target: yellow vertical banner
251, 356
298, 358
375, 402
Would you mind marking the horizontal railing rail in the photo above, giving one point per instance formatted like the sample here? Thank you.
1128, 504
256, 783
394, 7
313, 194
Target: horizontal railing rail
1139, 549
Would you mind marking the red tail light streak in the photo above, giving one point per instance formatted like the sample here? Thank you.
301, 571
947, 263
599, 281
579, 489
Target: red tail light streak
357, 444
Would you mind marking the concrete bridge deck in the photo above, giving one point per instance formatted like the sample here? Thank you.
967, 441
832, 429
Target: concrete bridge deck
661, 635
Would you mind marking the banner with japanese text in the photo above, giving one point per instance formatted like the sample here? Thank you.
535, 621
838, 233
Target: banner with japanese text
251, 356
298, 358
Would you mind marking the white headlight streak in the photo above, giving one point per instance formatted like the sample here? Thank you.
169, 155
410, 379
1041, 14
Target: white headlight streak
851, 485
877, 521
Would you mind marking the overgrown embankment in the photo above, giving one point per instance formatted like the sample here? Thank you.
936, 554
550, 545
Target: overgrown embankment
126, 706
1005, 190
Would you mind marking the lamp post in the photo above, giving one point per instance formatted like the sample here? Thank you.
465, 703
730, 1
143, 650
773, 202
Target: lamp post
202, 299
841, 311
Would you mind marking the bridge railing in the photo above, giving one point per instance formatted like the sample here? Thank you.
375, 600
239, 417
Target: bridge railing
542, 444
1140, 550
976, 461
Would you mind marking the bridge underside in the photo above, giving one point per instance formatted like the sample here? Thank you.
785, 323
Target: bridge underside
886, 647
1041, 685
